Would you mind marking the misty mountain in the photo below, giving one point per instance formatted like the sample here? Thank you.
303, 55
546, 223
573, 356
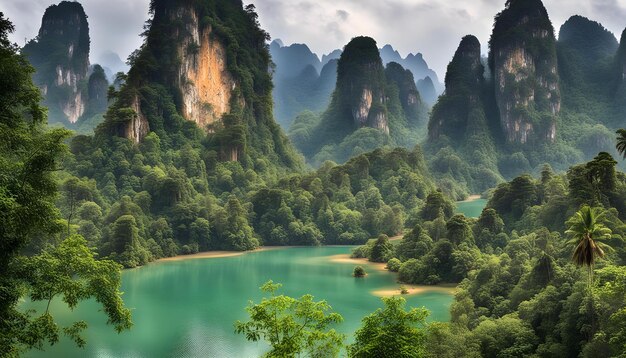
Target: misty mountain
297, 88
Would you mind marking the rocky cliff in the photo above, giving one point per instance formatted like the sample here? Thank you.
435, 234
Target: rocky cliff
205, 84
523, 61
60, 54
452, 114
360, 88
204, 62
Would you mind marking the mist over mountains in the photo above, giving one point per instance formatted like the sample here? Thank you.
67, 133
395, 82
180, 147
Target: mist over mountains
304, 81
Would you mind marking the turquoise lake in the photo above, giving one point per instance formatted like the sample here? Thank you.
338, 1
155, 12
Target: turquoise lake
471, 209
187, 308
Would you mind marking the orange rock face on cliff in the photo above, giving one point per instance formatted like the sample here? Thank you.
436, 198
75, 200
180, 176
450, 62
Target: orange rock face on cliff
205, 83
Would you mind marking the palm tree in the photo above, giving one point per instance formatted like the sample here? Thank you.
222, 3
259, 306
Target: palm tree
587, 231
621, 142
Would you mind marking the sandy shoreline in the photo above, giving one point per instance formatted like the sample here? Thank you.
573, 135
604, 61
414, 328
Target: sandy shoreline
218, 254
346, 259
340, 259
471, 198
415, 290
389, 292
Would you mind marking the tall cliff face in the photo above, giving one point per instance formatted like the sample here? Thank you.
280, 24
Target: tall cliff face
523, 61
371, 106
205, 62
360, 85
60, 54
453, 114
205, 84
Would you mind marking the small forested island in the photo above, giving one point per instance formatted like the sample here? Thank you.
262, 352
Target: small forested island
230, 189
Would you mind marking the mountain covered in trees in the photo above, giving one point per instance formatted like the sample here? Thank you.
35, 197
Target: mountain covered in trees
537, 99
304, 82
196, 70
189, 158
168, 173
74, 91
523, 62
372, 106
418, 66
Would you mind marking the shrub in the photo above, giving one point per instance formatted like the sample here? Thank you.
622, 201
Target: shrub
393, 265
359, 272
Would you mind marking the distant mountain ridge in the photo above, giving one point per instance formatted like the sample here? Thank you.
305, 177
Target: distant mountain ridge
297, 88
372, 106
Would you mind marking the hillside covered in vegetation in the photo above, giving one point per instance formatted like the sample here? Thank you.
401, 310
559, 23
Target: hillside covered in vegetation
537, 100
189, 158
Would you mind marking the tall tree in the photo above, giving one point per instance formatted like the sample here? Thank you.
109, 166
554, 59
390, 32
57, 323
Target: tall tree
391, 332
621, 142
29, 154
587, 231
292, 326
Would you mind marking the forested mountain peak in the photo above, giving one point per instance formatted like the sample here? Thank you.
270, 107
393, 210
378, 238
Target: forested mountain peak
589, 38
524, 63
297, 91
60, 53
301, 81
459, 113
360, 84
202, 61
371, 106
465, 66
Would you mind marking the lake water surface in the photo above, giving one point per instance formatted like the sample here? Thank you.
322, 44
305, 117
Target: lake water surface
471, 208
187, 308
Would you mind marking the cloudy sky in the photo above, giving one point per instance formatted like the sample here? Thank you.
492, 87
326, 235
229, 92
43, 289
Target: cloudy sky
433, 27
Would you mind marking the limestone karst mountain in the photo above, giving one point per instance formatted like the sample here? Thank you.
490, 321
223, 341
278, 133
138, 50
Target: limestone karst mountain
301, 81
298, 88
203, 64
523, 61
60, 54
371, 106
74, 91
